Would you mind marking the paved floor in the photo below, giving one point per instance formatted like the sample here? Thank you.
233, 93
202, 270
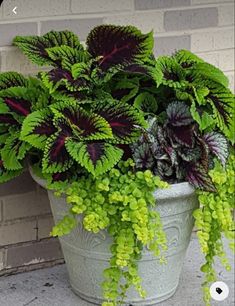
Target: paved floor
50, 287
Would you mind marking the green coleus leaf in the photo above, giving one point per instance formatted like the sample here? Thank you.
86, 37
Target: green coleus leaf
14, 152
18, 101
80, 70
84, 125
12, 79
126, 90
7, 175
96, 157
146, 102
187, 59
172, 74
204, 120
125, 121
208, 71
37, 127
35, 47
68, 56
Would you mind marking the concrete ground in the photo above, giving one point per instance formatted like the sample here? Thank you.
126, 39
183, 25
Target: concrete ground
50, 287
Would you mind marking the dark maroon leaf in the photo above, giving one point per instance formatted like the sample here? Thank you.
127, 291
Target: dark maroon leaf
18, 106
63, 176
183, 135
8, 119
95, 150
59, 76
121, 120
199, 177
45, 128
116, 45
57, 151
136, 68
179, 114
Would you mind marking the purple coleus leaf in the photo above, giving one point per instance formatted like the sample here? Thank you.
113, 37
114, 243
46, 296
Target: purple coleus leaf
84, 125
19, 106
56, 158
217, 145
63, 176
8, 119
115, 45
179, 114
123, 120
61, 77
199, 177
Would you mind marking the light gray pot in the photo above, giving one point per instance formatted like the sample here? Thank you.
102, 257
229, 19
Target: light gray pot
87, 254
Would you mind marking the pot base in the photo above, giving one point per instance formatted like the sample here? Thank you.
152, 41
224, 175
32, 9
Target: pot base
144, 302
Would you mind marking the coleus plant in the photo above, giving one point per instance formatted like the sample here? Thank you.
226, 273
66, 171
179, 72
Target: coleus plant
19, 96
66, 116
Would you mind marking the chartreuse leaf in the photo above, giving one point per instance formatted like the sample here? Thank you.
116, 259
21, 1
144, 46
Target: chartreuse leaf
35, 47
118, 45
14, 152
36, 128
96, 157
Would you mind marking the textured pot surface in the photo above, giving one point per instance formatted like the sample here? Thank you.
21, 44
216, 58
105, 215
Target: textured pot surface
87, 254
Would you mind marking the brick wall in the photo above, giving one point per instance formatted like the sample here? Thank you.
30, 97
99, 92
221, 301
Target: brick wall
203, 26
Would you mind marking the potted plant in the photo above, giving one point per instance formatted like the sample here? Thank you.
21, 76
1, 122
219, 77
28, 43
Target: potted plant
128, 147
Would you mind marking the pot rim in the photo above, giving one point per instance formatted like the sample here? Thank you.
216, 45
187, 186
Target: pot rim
176, 190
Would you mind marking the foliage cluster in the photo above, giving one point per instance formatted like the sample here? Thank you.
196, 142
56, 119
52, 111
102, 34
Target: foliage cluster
106, 123
122, 202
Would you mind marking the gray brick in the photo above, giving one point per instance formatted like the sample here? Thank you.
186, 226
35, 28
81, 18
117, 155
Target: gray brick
2, 252
145, 21
13, 59
10, 30
35, 8
26, 205
44, 227
158, 4
169, 44
95, 6
22, 184
46, 250
191, 19
79, 26
18, 232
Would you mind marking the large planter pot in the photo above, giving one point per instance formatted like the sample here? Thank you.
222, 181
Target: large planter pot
87, 254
